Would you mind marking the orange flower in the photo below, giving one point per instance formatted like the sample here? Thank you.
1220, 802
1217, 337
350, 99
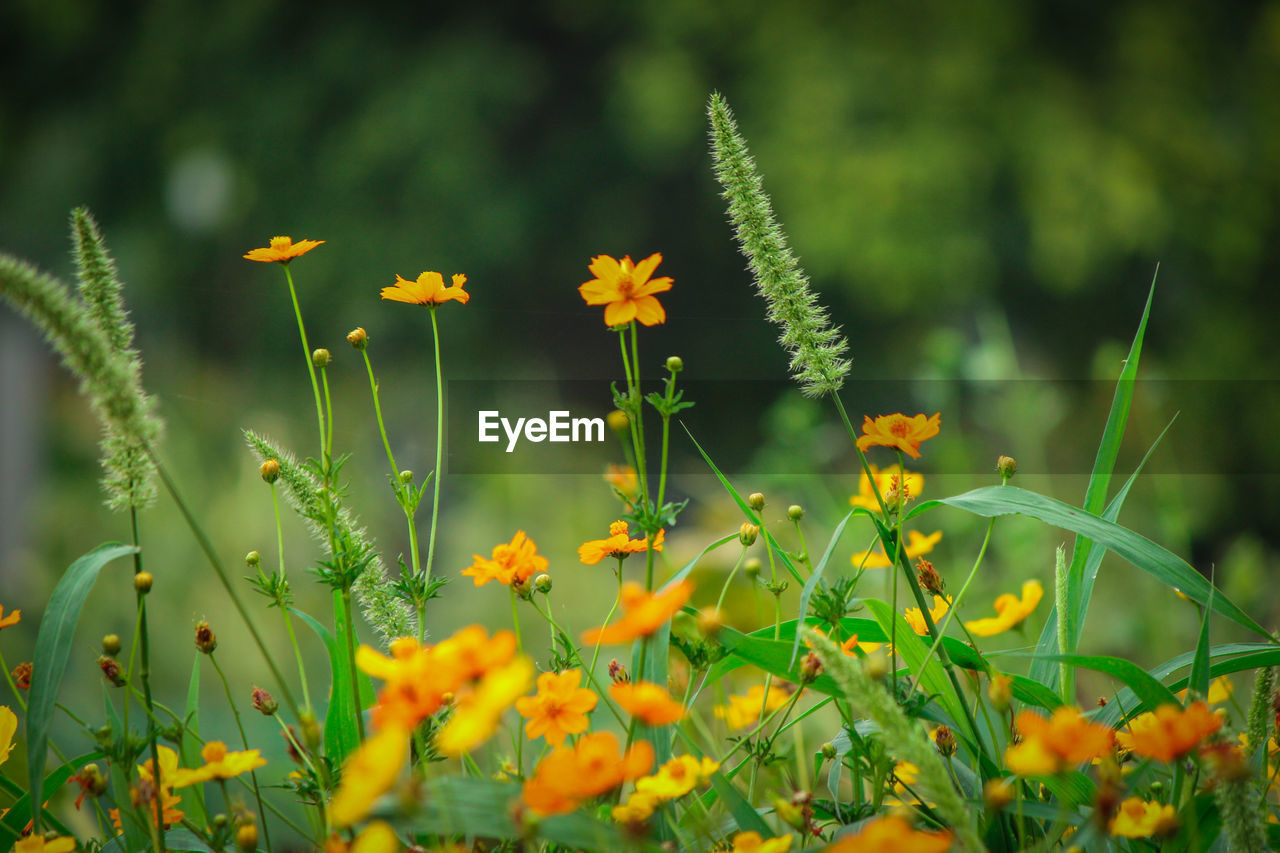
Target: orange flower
647, 702
560, 707
1171, 732
571, 774
282, 250
1049, 746
625, 288
917, 545
12, 619
916, 619
618, 545
892, 834
743, 711
898, 430
886, 481
429, 290
622, 477
643, 613
514, 562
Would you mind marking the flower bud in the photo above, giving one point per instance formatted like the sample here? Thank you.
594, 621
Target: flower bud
928, 577
1000, 691
755, 500
1007, 467
810, 668
876, 666
111, 670
206, 640
752, 567
358, 338
92, 781
111, 644
247, 837
321, 358
675, 364
542, 583
945, 740
142, 582
795, 512
618, 673
618, 421
252, 559
710, 621
270, 471
220, 821
264, 702
747, 533
829, 750
406, 476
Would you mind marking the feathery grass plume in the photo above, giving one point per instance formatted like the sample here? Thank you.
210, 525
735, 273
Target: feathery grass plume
389, 615
816, 348
1260, 708
1061, 600
903, 737
1241, 805
110, 381
129, 478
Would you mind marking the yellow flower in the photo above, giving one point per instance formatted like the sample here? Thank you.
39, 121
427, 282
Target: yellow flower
638, 808
12, 619
282, 250
368, 773
899, 431
743, 711
8, 727
751, 842
477, 714
559, 709
169, 801
1049, 746
677, 777
866, 496
917, 545
1137, 818
377, 837
1011, 611
647, 702
1220, 690
39, 844
428, 290
916, 620
619, 545
891, 834
219, 764
513, 562
642, 613
625, 288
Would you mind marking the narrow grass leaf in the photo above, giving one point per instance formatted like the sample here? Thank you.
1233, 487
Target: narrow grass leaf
1149, 690
1200, 663
189, 747
341, 735
816, 577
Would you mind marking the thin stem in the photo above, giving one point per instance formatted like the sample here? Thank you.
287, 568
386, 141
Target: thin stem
435, 504
253, 774
144, 674
328, 409
351, 660
306, 355
515, 621
595, 655
284, 609
955, 603
741, 557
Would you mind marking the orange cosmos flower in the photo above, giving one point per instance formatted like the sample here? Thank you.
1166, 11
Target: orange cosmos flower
12, 619
428, 290
898, 430
560, 707
618, 545
892, 834
218, 764
754, 842
643, 613
282, 250
1012, 611
1171, 732
1052, 745
592, 766
625, 288
647, 702
479, 710
623, 477
886, 481
743, 711
514, 562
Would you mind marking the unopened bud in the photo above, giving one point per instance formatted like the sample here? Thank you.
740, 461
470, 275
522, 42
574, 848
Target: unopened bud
111, 644
876, 666
542, 583
829, 750
1007, 467
523, 588
92, 780
358, 338
945, 740
111, 670
321, 358
220, 821
755, 500
618, 421
675, 364
264, 702
142, 582
270, 471
247, 837
206, 640
795, 512
928, 577
1000, 691
618, 673
252, 559
406, 476
810, 668
752, 566
747, 533
710, 621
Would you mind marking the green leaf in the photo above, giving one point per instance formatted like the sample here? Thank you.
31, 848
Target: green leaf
1126, 702
1137, 679
19, 813
174, 839
53, 648
1200, 663
773, 656
1156, 561
816, 577
189, 748
341, 735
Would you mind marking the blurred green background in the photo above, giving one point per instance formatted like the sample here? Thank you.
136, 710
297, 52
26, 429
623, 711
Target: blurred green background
981, 192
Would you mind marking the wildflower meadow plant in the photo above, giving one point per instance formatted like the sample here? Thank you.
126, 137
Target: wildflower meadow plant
868, 708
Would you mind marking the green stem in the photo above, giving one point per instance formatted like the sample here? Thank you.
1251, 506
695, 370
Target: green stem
144, 674
13, 688
253, 774
515, 621
306, 354
328, 410
435, 504
351, 661
741, 558
284, 608
595, 655
955, 603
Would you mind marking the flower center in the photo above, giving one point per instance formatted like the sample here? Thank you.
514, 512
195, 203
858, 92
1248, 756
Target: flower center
899, 428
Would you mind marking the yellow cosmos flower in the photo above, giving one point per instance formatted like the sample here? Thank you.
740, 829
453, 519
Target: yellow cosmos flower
886, 480
39, 844
368, 773
916, 619
743, 711
899, 431
626, 290
1137, 818
428, 290
638, 808
1049, 746
647, 702
1220, 690
8, 727
891, 834
282, 250
677, 777
12, 619
560, 707
917, 545
169, 801
752, 842
477, 715
218, 764
643, 613
513, 562
619, 545
377, 837
1011, 611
